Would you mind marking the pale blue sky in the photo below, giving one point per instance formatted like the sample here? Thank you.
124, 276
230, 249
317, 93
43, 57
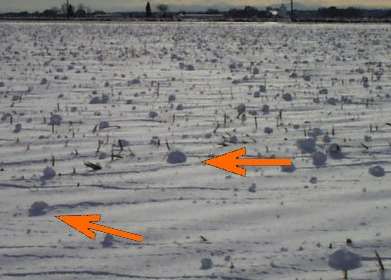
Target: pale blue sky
116, 5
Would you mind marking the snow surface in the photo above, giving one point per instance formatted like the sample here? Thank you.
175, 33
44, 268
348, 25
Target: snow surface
72, 93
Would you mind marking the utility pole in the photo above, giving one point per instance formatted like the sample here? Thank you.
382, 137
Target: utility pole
67, 9
292, 10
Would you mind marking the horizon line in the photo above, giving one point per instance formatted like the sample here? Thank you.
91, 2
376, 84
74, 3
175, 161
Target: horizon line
205, 8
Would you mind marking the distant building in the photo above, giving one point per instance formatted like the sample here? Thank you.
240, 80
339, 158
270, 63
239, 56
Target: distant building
283, 11
279, 14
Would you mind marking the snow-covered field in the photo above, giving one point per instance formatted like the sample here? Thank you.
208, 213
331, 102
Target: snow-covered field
125, 96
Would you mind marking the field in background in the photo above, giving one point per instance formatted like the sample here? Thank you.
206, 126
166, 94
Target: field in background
111, 93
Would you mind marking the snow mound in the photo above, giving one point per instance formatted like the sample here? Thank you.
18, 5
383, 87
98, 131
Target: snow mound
335, 151
171, 98
233, 139
100, 100
288, 169
377, 171
55, 119
344, 260
326, 138
38, 208
306, 145
206, 263
6, 116
332, 101
323, 91
265, 109
287, 97
48, 173
241, 108
268, 130
152, 114
252, 188
103, 125
175, 157
134, 82
315, 132
319, 159
18, 128
108, 241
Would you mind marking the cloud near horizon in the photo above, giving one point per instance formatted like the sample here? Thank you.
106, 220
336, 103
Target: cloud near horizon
115, 5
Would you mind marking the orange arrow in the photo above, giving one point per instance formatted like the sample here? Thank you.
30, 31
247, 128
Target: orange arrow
232, 161
86, 224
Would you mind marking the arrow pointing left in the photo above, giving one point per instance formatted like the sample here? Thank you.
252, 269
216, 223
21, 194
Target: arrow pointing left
235, 161
86, 224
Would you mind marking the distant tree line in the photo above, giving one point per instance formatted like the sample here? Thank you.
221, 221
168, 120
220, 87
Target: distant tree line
248, 12
333, 12
163, 12
320, 14
67, 9
346, 14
